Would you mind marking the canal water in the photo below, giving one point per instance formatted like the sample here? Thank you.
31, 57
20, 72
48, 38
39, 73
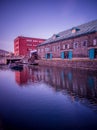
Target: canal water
47, 98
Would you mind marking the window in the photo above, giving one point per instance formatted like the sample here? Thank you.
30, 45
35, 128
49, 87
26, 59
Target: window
40, 41
55, 36
54, 48
38, 50
28, 40
42, 50
74, 30
47, 49
58, 47
63, 46
34, 45
94, 42
35, 41
84, 43
68, 46
29, 44
75, 45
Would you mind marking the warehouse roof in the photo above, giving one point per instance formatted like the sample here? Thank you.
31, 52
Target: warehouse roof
83, 29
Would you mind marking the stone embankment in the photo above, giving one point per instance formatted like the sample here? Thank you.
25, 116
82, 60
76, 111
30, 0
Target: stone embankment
74, 63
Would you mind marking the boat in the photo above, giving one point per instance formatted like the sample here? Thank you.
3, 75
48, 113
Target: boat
15, 66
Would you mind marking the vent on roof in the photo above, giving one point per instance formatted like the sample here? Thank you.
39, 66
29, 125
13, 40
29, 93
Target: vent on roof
74, 30
55, 36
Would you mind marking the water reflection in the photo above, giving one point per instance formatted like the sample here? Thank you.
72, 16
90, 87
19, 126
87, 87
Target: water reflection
28, 76
42, 98
80, 85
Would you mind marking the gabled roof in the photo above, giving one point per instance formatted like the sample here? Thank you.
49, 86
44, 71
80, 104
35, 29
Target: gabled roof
83, 29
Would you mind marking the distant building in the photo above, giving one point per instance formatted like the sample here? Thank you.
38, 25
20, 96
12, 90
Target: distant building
76, 42
4, 53
24, 45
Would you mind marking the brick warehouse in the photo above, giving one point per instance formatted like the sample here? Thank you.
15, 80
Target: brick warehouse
23, 45
77, 42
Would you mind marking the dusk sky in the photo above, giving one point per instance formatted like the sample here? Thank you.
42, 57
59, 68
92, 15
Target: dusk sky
41, 18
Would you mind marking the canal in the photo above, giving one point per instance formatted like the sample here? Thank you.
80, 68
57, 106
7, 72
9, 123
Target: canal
48, 98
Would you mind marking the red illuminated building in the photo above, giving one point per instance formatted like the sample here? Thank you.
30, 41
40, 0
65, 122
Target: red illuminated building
23, 45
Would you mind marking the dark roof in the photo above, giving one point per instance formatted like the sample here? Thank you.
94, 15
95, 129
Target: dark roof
3, 51
83, 29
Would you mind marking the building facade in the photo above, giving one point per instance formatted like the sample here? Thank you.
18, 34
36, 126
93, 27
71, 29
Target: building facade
24, 45
77, 42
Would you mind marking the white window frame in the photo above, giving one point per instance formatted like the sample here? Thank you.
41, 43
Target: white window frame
68, 46
75, 45
64, 46
94, 42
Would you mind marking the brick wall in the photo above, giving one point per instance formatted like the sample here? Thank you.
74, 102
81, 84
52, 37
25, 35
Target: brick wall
80, 49
84, 64
23, 45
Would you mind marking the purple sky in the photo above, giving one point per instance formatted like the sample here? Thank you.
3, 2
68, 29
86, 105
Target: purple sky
41, 18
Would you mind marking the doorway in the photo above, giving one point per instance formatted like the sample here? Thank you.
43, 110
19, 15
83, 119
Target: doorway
95, 53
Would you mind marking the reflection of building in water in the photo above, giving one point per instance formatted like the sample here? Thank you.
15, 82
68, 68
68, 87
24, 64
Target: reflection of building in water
21, 76
27, 76
80, 85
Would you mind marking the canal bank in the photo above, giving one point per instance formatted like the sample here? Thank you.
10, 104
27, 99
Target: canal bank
6, 60
74, 63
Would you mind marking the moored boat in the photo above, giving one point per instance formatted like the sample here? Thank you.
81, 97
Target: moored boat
16, 66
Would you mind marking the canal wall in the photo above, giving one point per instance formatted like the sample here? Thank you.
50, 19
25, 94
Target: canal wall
75, 63
7, 60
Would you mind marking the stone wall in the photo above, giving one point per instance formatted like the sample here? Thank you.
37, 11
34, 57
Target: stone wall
84, 64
